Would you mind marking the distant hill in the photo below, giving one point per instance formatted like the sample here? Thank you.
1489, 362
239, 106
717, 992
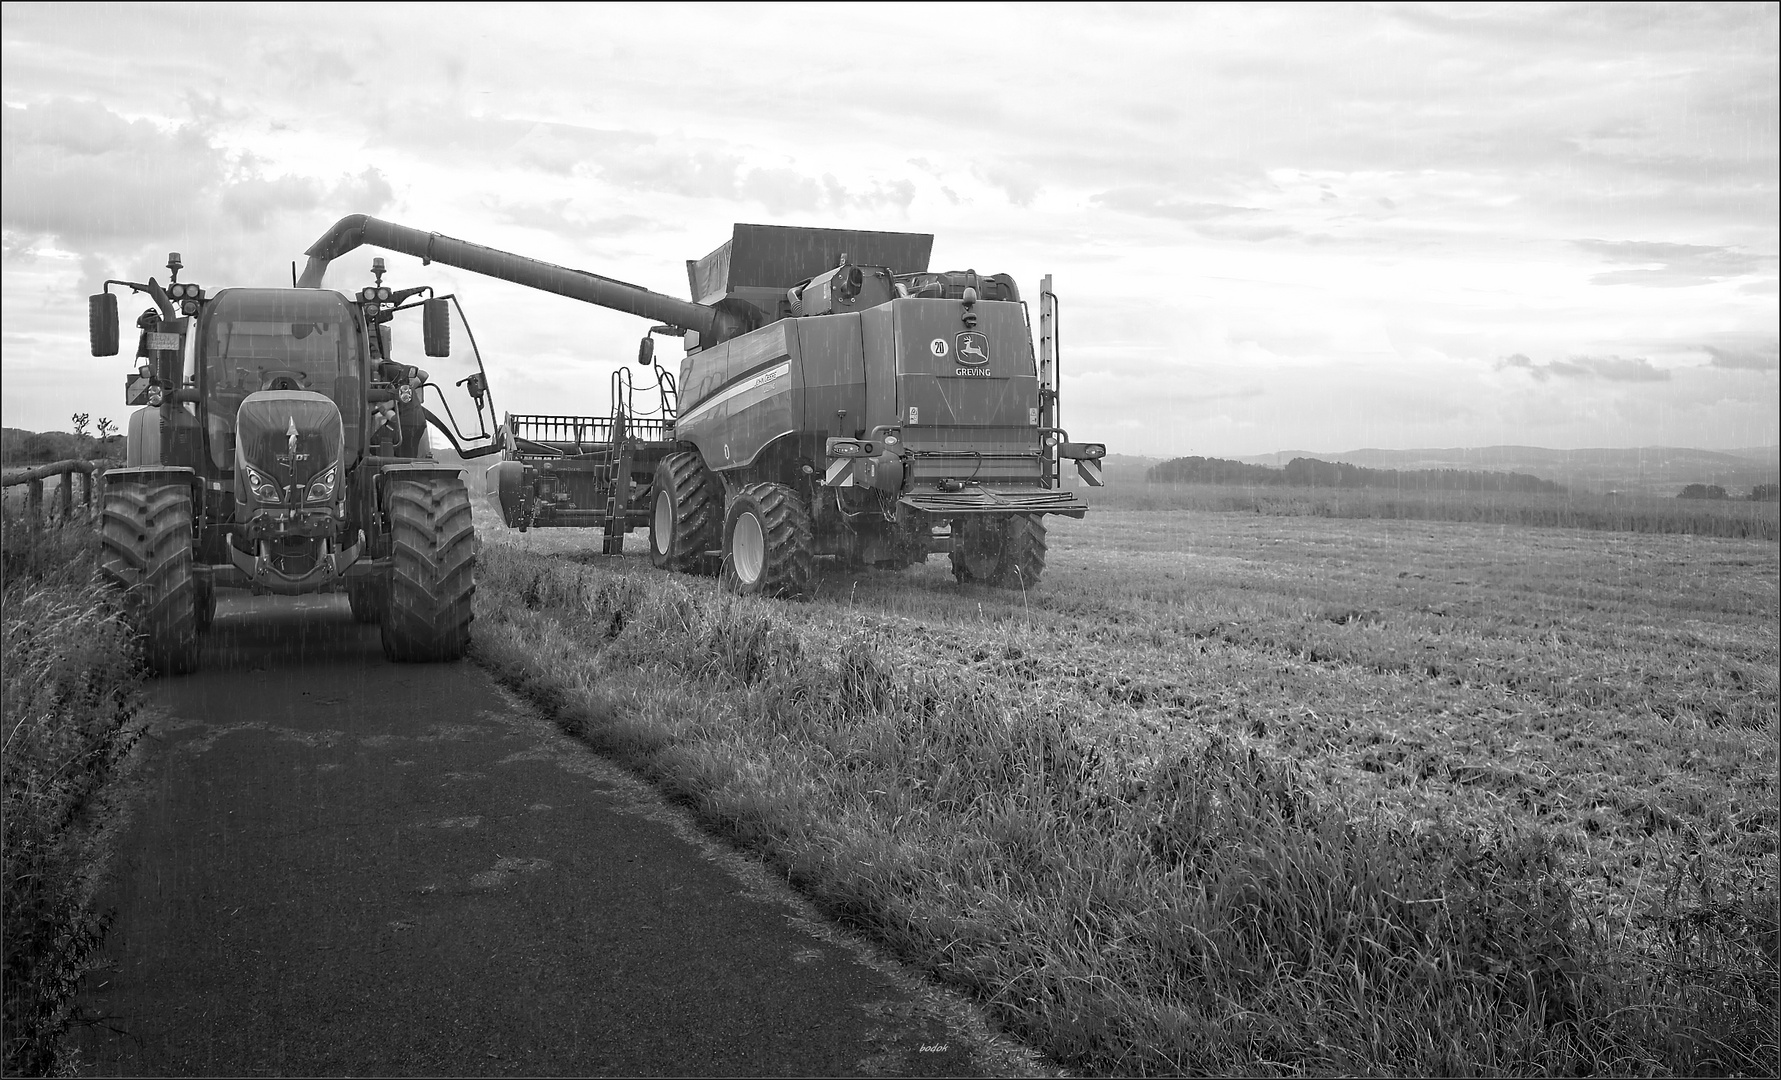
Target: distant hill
1655, 470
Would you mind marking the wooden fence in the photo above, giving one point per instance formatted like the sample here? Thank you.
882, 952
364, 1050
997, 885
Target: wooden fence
34, 476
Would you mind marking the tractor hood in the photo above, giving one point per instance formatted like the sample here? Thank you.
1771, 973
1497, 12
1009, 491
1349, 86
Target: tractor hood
289, 446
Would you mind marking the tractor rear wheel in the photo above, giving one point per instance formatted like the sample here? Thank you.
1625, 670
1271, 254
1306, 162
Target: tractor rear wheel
768, 548
368, 597
686, 511
145, 547
1005, 551
432, 576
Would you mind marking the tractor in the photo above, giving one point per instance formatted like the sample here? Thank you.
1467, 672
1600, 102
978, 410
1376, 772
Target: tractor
837, 401
292, 457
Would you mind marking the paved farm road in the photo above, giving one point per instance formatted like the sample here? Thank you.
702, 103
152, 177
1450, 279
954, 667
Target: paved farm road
337, 865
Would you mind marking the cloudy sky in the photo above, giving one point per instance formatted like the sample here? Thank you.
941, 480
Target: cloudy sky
1311, 227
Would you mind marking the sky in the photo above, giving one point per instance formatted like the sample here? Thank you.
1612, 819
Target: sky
1310, 226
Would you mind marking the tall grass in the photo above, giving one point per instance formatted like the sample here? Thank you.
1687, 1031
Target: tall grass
1570, 510
69, 691
1204, 912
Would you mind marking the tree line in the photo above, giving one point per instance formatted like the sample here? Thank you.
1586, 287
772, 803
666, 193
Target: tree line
1310, 472
1759, 493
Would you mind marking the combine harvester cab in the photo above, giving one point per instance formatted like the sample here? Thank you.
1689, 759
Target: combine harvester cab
838, 400
291, 460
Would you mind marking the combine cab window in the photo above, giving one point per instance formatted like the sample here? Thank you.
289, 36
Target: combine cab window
266, 339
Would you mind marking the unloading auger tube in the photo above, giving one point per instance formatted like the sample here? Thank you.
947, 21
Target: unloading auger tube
710, 323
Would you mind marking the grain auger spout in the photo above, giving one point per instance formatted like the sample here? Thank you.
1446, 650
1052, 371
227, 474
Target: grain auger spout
711, 323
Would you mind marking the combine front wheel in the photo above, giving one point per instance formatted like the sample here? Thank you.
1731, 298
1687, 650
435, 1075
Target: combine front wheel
145, 538
684, 514
1006, 551
768, 549
432, 576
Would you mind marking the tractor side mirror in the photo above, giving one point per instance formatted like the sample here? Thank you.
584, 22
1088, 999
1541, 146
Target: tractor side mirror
102, 323
436, 326
646, 351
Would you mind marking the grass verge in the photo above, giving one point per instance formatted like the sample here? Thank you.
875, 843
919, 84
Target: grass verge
1206, 911
70, 690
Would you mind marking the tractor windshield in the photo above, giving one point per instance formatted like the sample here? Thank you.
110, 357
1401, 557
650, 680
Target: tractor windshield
279, 339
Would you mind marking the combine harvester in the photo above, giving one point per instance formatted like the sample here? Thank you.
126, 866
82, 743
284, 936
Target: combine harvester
837, 400
292, 459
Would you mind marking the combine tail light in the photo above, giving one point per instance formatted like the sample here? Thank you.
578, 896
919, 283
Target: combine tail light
850, 448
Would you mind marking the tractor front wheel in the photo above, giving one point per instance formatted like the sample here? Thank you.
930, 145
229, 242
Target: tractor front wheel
685, 513
1005, 551
768, 549
432, 577
145, 547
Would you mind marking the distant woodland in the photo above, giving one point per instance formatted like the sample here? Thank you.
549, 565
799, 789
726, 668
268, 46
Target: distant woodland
1309, 472
20, 447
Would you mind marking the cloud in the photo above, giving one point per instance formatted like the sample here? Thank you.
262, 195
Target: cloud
1680, 265
1159, 202
1607, 368
79, 172
1757, 358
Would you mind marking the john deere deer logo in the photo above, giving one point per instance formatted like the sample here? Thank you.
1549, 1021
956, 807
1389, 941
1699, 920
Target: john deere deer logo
973, 349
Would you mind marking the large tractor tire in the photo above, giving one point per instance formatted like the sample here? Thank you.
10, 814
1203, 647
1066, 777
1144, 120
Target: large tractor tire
686, 514
369, 598
145, 547
433, 570
1005, 551
768, 549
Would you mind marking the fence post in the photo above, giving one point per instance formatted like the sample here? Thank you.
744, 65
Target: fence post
67, 494
34, 499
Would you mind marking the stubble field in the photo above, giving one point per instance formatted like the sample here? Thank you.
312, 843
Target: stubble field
1234, 792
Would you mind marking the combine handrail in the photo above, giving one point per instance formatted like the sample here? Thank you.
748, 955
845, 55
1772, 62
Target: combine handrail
36, 475
349, 232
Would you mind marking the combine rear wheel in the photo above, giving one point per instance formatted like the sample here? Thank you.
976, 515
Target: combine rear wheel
768, 549
433, 573
1006, 551
685, 513
145, 546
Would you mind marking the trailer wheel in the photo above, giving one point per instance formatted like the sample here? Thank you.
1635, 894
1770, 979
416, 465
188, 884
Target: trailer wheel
685, 513
145, 548
432, 576
1005, 551
368, 597
768, 549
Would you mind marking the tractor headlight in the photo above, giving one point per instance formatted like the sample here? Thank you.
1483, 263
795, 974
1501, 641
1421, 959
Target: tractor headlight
321, 489
405, 394
263, 489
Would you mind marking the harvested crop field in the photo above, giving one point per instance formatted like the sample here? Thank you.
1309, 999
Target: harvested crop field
1239, 793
